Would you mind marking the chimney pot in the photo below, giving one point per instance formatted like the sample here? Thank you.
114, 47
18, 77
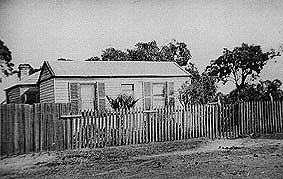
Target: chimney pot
24, 70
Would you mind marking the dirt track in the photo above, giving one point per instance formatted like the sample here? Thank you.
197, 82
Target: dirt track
197, 158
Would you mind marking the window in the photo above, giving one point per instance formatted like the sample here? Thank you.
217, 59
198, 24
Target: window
87, 96
127, 89
158, 90
158, 94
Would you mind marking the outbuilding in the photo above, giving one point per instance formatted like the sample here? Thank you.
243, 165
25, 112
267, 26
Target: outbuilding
26, 90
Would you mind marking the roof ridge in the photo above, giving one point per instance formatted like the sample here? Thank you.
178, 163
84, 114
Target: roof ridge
77, 61
115, 68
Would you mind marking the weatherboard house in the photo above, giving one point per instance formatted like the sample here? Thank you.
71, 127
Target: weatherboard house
87, 83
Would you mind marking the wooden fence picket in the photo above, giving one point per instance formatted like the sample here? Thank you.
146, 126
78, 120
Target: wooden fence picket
257, 118
1, 129
281, 115
9, 130
248, 118
266, 118
39, 127
277, 117
4, 131
263, 117
187, 121
167, 122
270, 117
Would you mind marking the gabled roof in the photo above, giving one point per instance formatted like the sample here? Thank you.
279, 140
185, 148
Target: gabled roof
28, 81
115, 69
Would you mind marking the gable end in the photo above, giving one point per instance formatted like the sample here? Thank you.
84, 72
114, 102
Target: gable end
46, 72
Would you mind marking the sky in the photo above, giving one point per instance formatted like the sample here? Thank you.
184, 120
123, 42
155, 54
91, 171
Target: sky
37, 30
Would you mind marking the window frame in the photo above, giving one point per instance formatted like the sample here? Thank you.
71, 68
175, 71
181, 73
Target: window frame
159, 97
128, 84
93, 91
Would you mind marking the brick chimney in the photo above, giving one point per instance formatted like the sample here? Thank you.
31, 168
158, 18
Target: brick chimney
24, 70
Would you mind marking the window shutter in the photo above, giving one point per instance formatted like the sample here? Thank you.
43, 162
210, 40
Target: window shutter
147, 92
74, 94
7, 97
170, 99
166, 93
100, 96
95, 102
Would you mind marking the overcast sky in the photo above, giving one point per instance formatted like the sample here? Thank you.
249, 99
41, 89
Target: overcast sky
49, 29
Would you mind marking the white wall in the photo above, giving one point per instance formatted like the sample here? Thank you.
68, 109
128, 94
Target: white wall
112, 86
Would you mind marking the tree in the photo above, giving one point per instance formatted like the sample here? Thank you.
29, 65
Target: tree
7, 67
193, 71
201, 89
269, 90
263, 90
240, 64
149, 51
177, 52
145, 51
112, 54
95, 58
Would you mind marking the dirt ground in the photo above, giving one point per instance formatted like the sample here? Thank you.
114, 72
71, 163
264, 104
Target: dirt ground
195, 158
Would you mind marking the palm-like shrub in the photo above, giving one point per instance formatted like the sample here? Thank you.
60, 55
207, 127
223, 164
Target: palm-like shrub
122, 101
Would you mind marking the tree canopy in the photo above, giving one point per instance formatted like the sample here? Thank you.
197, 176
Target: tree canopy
200, 90
112, 54
148, 51
263, 90
193, 71
95, 58
177, 51
145, 51
240, 64
7, 67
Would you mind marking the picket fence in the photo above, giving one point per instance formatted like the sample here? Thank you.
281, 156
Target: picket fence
45, 127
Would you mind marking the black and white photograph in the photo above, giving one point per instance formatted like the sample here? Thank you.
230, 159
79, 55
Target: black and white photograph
141, 89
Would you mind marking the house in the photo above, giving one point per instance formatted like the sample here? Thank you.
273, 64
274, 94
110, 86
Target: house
87, 83
26, 90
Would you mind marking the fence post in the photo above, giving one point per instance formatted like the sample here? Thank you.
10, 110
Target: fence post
1, 125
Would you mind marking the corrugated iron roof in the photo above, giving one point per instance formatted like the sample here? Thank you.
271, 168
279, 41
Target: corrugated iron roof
29, 80
115, 68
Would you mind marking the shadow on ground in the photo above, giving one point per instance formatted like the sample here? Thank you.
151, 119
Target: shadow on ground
195, 158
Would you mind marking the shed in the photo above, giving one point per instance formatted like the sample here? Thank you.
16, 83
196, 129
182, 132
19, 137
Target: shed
25, 91
87, 83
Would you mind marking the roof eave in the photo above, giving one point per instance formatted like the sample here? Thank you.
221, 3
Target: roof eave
19, 85
122, 76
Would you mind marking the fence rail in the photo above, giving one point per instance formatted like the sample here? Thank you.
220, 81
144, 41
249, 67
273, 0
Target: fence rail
43, 127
